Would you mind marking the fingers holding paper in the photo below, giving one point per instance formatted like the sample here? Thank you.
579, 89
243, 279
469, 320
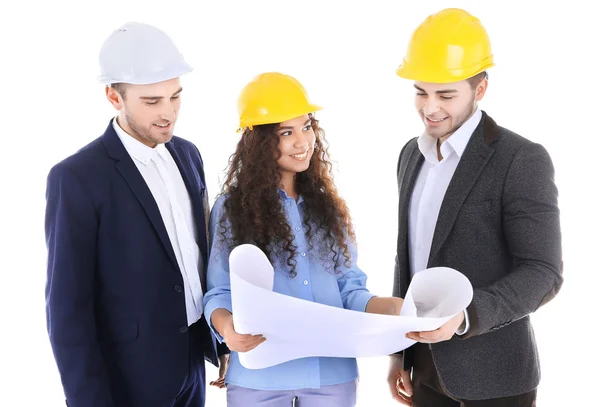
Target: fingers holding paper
443, 333
240, 342
222, 320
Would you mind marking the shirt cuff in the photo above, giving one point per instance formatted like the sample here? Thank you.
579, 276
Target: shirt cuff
359, 303
464, 327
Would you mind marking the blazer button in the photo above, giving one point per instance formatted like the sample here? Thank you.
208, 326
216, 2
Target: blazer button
183, 329
178, 288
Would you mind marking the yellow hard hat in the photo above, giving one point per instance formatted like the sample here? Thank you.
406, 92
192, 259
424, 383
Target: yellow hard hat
272, 97
448, 46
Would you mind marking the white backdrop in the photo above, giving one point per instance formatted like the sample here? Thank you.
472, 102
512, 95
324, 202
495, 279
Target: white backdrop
345, 53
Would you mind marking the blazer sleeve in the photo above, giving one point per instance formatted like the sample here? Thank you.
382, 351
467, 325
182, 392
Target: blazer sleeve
71, 228
222, 348
531, 228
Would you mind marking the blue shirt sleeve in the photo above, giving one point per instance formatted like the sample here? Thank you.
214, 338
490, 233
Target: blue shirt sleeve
353, 281
218, 293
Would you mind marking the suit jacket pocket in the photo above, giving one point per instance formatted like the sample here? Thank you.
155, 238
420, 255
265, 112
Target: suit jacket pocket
120, 331
476, 207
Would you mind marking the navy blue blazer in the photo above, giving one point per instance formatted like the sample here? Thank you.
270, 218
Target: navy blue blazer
115, 306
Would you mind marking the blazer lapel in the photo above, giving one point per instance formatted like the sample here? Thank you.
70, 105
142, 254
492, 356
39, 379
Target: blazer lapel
138, 186
473, 161
407, 176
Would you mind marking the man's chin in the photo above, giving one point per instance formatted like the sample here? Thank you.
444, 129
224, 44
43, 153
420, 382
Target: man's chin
162, 138
436, 134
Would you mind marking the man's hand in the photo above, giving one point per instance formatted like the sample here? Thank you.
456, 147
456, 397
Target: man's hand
399, 381
443, 333
223, 365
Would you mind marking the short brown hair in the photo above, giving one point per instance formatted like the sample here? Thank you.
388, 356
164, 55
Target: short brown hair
119, 87
474, 80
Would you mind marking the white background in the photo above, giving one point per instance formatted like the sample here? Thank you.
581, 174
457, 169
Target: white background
345, 53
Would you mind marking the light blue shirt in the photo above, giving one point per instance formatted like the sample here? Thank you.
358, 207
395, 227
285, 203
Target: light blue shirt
315, 281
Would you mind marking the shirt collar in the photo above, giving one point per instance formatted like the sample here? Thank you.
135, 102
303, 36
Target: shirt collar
285, 196
457, 142
136, 149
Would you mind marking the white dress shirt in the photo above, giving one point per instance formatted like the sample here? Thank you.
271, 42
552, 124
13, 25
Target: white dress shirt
159, 170
430, 189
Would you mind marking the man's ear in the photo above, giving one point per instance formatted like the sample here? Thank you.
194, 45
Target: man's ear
114, 97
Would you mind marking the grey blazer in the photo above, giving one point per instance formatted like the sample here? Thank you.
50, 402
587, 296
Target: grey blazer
499, 226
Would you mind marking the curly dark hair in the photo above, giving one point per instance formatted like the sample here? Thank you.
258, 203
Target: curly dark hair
253, 206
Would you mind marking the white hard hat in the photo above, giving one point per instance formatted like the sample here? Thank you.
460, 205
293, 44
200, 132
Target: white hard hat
140, 54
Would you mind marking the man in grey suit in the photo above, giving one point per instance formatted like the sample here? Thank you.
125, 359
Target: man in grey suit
481, 199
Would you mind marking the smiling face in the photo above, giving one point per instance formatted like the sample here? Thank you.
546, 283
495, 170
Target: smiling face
296, 144
445, 107
147, 112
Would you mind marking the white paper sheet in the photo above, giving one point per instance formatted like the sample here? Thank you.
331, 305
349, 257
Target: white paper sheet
296, 328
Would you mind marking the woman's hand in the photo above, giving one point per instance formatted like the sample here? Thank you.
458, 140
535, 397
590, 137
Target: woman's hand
222, 320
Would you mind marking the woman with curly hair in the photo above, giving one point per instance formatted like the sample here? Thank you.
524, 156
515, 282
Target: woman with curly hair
279, 195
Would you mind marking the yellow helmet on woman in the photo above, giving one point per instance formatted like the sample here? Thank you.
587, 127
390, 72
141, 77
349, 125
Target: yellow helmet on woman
273, 97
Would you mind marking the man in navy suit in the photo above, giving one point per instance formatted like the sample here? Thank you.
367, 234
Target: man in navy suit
127, 242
